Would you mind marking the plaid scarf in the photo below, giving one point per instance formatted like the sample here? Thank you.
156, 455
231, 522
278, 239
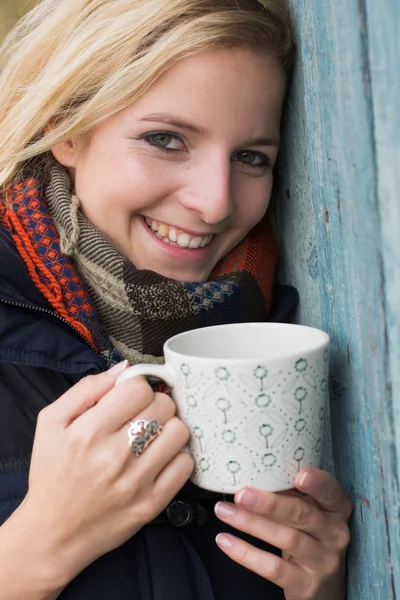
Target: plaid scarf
122, 311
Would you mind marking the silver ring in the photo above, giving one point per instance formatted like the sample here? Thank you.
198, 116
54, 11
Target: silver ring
142, 433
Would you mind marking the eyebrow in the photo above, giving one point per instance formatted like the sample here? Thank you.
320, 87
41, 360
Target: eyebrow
198, 130
176, 122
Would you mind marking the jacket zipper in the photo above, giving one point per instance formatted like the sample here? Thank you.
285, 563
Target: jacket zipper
38, 309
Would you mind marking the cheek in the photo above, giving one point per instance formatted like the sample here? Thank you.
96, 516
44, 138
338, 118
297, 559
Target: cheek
253, 200
119, 186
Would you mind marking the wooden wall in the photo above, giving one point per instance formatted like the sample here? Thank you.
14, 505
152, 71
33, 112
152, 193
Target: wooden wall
339, 214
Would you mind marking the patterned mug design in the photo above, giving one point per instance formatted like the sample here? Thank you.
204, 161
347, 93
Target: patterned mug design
252, 425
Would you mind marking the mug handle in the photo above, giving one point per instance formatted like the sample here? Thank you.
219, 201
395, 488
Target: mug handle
163, 372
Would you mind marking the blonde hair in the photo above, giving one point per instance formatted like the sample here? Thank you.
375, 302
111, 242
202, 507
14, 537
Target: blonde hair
76, 62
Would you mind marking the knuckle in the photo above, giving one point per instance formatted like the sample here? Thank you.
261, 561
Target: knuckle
87, 387
168, 403
275, 568
79, 438
292, 540
249, 520
44, 417
187, 463
180, 430
330, 495
342, 537
332, 565
105, 465
270, 503
246, 558
302, 514
140, 387
312, 592
87, 382
144, 512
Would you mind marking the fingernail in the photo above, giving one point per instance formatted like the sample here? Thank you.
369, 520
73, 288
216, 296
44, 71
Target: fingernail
223, 541
118, 368
305, 480
247, 498
225, 510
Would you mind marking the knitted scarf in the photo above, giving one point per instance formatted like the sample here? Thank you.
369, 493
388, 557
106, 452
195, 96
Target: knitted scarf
122, 311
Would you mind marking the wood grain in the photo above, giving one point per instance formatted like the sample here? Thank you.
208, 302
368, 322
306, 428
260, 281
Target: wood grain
339, 214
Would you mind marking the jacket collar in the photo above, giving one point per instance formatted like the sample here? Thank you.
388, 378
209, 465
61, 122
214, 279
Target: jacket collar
30, 332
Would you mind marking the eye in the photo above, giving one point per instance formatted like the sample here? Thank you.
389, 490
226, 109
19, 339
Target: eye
165, 141
252, 158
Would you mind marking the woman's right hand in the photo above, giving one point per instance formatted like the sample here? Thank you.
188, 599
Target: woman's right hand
88, 492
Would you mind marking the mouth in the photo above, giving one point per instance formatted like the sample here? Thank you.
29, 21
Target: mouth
173, 236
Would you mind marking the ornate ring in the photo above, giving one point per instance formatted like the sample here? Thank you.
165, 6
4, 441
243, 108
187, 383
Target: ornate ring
141, 433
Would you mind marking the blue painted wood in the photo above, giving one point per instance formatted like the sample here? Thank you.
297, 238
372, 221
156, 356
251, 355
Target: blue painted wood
339, 216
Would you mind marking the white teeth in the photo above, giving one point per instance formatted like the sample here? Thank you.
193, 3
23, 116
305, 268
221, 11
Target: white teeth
183, 240
172, 235
163, 230
195, 242
169, 236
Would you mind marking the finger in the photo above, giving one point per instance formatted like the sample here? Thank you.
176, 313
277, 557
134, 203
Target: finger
297, 543
172, 478
292, 511
162, 450
82, 396
288, 576
118, 406
326, 490
162, 408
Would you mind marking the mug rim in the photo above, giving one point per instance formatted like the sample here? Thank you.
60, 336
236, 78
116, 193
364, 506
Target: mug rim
324, 343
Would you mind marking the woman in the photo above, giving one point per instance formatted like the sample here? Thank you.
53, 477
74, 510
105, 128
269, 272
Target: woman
138, 139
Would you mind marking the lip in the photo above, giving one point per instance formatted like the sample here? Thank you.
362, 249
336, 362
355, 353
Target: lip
175, 251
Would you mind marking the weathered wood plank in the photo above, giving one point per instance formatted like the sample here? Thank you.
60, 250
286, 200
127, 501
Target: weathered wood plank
382, 32
340, 223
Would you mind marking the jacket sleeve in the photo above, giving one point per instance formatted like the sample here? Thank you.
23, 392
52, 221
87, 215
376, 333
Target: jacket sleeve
24, 391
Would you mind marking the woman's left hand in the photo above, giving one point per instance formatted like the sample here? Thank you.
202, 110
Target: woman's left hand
311, 529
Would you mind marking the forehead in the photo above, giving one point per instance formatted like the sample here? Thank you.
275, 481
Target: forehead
218, 88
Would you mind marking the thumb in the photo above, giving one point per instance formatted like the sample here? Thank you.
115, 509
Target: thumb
83, 396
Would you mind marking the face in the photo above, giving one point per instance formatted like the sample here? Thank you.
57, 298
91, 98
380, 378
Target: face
178, 179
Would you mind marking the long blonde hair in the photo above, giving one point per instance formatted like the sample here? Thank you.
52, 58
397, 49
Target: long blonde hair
76, 62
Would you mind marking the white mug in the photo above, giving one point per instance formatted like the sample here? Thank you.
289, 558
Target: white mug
254, 398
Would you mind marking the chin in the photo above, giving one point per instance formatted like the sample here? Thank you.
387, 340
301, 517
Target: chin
184, 275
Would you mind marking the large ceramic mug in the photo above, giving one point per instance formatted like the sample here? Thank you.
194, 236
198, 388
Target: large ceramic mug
254, 398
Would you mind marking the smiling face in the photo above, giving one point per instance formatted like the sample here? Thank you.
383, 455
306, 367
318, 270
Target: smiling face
178, 179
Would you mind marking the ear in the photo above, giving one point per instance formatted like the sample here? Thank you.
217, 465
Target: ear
66, 153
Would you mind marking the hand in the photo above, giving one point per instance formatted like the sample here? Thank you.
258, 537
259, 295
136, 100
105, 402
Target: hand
311, 530
88, 492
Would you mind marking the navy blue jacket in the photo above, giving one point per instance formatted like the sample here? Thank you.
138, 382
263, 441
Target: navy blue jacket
40, 358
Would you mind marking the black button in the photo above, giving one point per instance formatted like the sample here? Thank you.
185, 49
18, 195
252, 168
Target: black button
182, 514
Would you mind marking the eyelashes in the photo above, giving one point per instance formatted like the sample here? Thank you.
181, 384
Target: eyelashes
163, 139
168, 142
252, 158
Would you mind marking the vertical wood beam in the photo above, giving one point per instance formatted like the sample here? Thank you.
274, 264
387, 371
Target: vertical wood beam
339, 216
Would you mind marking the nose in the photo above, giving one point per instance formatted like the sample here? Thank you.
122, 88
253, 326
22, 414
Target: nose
209, 192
